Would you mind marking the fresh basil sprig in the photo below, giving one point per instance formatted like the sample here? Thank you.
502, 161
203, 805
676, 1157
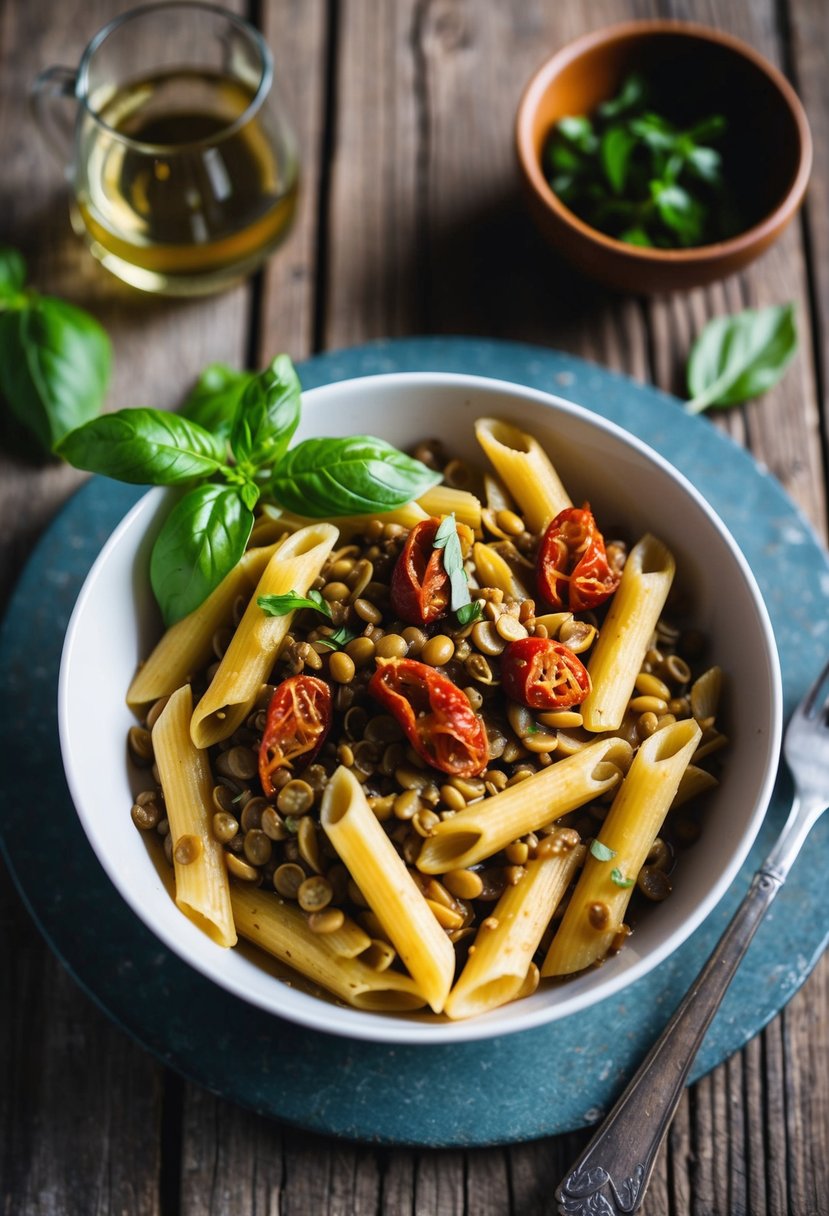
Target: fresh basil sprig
447, 539
281, 605
229, 464
213, 400
356, 475
55, 359
740, 356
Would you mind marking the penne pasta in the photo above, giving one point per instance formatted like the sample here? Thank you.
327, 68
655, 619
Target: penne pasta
187, 646
202, 888
500, 960
595, 913
282, 930
492, 570
617, 657
526, 469
445, 500
389, 889
252, 652
482, 829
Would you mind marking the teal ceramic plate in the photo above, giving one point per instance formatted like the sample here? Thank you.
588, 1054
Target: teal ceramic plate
517, 1087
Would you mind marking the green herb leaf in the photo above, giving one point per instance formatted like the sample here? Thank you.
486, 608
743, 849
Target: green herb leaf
447, 539
578, 130
145, 447
467, 613
250, 494
200, 542
281, 605
338, 639
213, 400
600, 851
12, 272
54, 365
618, 877
738, 357
616, 148
635, 236
267, 414
321, 478
632, 95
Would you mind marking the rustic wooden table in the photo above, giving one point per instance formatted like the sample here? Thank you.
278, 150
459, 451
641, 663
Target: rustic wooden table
409, 223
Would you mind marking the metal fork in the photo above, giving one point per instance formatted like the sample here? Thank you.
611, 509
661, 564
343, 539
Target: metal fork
612, 1174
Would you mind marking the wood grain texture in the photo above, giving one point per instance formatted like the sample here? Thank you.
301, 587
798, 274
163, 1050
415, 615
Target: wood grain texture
409, 222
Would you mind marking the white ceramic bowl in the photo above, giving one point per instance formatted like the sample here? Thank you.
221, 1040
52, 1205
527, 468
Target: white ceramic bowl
114, 624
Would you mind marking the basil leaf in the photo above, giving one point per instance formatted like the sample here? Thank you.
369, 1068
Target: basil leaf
600, 851
144, 446
281, 605
320, 478
616, 147
54, 366
467, 613
12, 272
250, 493
213, 400
267, 414
447, 539
632, 94
339, 638
618, 877
738, 357
200, 542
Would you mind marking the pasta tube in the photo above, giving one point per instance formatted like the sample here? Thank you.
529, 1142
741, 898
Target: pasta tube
485, 827
386, 884
187, 646
596, 910
619, 652
526, 470
202, 888
506, 942
253, 649
282, 930
446, 500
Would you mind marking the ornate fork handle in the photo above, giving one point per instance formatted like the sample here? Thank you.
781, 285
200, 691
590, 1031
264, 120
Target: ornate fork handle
613, 1172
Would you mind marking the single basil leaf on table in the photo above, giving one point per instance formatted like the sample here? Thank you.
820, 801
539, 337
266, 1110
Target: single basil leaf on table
12, 272
267, 414
351, 476
200, 542
144, 447
281, 605
741, 356
55, 363
213, 400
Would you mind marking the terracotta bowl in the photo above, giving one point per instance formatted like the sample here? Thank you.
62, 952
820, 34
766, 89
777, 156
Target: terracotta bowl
768, 144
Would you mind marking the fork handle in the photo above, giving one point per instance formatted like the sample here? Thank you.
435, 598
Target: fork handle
613, 1172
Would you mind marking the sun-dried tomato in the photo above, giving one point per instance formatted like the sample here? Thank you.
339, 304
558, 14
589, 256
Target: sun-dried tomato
573, 571
299, 718
435, 715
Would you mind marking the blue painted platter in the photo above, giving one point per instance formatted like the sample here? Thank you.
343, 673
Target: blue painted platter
518, 1087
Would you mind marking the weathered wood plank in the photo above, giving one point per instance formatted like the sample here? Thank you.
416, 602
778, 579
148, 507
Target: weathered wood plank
80, 1106
297, 32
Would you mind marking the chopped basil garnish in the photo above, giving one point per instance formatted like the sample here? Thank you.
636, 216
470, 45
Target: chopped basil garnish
281, 605
601, 852
618, 877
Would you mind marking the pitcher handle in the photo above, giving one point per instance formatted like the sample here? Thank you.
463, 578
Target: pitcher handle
55, 125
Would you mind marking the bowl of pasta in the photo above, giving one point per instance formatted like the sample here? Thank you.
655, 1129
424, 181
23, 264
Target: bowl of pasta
446, 770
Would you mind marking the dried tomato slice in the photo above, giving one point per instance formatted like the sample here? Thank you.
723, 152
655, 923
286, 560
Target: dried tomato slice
299, 717
573, 570
435, 715
419, 584
543, 674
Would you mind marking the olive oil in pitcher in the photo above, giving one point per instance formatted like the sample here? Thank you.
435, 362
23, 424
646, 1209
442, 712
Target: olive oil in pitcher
184, 182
